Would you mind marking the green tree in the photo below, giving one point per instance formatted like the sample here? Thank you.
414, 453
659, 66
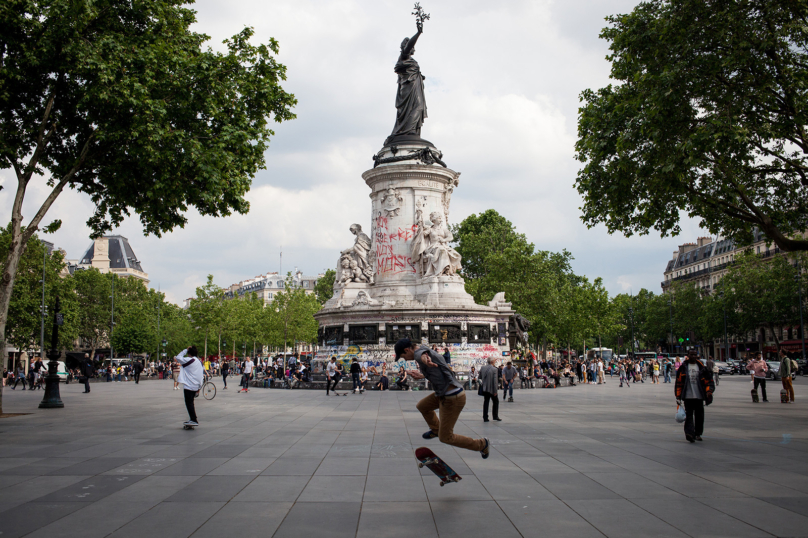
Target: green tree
708, 120
24, 323
324, 288
482, 240
119, 100
205, 311
761, 293
294, 314
93, 291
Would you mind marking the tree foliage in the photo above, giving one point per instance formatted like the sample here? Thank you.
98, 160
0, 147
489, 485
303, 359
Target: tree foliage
324, 288
707, 120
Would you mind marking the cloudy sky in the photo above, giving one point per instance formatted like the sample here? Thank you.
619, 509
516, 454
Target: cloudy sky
502, 86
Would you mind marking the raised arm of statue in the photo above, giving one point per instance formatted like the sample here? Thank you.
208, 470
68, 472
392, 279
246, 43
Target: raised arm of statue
407, 51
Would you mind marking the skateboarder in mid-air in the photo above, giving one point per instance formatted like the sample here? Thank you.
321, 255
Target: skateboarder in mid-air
449, 397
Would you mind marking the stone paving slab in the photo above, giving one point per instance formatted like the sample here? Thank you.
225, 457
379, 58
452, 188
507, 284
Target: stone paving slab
583, 461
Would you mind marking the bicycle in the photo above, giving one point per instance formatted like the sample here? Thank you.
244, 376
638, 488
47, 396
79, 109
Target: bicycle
208, 389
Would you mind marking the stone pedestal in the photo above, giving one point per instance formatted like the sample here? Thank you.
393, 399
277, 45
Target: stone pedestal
400, 295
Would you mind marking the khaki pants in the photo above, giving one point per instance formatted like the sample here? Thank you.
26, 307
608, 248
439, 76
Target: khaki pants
600, 377
789, 387
450, 408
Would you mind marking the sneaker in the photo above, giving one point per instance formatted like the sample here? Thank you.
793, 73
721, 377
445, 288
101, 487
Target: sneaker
498, 419
429, 435
486, 451
698, 438
690, 438
192, 423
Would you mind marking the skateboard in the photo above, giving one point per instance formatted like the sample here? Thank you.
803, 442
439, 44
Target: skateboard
784, 396
436, 465
755, 398
188, 427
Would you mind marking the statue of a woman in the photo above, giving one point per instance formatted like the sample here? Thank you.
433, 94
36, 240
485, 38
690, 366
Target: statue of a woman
410, 101
431, 250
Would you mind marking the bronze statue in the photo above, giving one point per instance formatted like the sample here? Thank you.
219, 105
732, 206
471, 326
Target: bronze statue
410, 100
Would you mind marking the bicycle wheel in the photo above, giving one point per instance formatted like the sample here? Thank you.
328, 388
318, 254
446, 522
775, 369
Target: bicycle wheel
209, 390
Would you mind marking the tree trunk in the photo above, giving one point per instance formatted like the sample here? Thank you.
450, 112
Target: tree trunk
7, 284
206, 343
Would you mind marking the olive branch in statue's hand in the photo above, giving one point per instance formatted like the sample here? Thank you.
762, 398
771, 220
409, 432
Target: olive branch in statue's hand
420, 16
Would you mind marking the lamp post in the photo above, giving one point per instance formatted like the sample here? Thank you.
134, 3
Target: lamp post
802, 326
51, 399
43, 309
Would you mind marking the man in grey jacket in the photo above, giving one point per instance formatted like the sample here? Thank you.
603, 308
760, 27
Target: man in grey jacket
488, 385
449, 397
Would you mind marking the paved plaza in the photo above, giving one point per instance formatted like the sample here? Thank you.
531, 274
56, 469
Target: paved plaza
576, 461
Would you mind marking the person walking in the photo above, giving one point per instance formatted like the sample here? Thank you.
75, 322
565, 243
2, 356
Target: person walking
333, 375
20, 377
488, 387
356, 370
758, 367
508, 375
191, 376
246, 374
448, 397
786, 373
667, 370
694, 385
87, 371
623, 375
655, 377
225, 369
137, 370
175, 374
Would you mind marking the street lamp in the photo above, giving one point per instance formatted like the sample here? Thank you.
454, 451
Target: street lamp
51, 398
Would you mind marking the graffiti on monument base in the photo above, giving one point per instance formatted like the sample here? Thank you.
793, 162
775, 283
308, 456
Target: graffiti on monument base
463, 356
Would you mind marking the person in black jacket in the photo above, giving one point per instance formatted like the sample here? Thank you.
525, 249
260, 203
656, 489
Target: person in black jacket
87, 371
356, 369
138, 368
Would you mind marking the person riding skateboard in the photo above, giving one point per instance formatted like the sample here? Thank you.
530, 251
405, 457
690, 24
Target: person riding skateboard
191, 377
448, 397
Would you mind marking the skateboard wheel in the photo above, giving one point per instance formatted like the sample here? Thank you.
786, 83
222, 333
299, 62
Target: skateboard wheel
442, 483
420, 465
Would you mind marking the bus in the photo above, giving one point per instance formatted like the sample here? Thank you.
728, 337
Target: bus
646, 355
603, 352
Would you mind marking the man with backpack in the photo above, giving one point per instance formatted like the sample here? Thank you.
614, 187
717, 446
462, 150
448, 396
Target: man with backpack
788, 368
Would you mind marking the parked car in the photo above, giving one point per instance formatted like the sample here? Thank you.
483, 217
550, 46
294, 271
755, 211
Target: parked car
774, 370
724, 368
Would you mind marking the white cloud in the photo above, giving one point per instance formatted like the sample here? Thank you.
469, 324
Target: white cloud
502, 86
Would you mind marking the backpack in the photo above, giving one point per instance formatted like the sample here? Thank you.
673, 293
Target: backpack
795, 367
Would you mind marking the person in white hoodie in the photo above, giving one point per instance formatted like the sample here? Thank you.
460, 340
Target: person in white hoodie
192, 375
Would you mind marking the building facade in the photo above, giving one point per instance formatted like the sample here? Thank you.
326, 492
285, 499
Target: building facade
111, 254
267, 286
703, 265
